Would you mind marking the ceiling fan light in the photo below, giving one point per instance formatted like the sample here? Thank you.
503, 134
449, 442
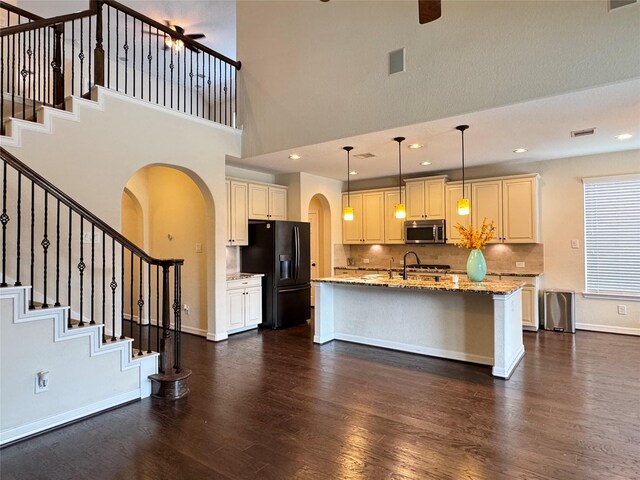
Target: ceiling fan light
464, 207
347, 214
400, 211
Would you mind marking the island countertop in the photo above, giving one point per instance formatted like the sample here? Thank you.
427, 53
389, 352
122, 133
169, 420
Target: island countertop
490, 287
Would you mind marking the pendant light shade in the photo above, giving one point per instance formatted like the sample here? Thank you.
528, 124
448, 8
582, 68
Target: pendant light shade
400, 209
464, 206
347, 213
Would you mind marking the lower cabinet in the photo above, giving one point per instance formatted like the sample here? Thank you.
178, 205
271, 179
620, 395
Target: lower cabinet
530, 302
244, 304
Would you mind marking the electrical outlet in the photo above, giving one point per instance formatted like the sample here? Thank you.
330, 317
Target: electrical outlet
198, 248
519, 264
186, 308
575, 243
42, 382
365, 260
622, 309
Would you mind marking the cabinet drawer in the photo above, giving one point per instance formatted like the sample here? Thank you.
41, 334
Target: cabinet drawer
244, 283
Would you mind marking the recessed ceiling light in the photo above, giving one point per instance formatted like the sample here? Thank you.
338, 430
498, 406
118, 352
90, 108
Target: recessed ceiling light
413, 146
353, 172
624, 136
425, 163
294, 156
520, 150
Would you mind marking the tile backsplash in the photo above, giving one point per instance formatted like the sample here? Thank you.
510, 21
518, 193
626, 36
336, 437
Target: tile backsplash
499, 257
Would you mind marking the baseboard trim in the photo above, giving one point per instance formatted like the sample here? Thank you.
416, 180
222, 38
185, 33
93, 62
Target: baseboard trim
242, 329
506, 373
17, 433
608, 329
430, 351
217, 337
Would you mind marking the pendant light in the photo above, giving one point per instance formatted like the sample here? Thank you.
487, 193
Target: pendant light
347, 214
464, 207
401, 211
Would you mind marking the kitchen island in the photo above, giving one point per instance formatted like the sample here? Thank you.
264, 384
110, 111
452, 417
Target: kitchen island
478, 322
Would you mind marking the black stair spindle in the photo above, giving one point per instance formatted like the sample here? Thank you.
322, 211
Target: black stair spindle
149, 307
32, 75
184, 86
122, 337
140, 307
57, 304
2, 85
13, 77
45, 248
171, 67
81, 57
178, 86
18, 231
104, 289
117, 50
141, 60
235, 98
4, 218
73, 56
93, 270
150, 57
191, 82
81, 267
131, 296
90, 78
69, 324
158, 308
113, 285
133, 70
125, 47
23, 73
108, 49
209, 85
176, 312
33, 216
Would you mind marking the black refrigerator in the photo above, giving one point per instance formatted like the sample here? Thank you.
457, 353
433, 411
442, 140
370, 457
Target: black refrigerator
280, 250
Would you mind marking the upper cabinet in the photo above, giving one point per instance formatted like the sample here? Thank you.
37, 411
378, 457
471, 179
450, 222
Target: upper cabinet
237, 213
425, 198
267, 202
367, 226
511, 202
393, 227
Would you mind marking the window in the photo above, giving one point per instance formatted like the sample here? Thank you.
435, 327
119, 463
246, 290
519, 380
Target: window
612, 235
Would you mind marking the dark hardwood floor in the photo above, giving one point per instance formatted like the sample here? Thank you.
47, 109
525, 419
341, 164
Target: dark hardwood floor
271, 405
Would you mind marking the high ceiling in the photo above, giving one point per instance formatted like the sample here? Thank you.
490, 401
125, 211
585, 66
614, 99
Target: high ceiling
542, 126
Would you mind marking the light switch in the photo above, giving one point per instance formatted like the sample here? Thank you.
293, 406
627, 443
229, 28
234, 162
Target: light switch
365, 260
198, 248
575, 243
519, 264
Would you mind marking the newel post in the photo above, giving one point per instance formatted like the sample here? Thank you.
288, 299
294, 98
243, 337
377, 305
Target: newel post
98, 72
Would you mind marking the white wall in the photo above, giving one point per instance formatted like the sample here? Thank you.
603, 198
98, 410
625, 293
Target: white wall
314, 71
93, 159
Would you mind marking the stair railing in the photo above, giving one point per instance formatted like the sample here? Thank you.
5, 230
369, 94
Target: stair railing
114, 46
13, 15
71, 257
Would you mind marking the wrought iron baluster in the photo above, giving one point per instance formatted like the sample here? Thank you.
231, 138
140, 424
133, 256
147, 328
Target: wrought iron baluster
131, 296
149, 307
215, 88
4, 219
178, 317
190, 80
24, 73
178, 86
125, 47
235, 98
73, 56
32, 75
209, 85
90, 49
104, 289
57, 304
92, 320
19, 229
108, 52
133, 70
226, 67
69, 324
122, 293
13, 76
2, 83
113, 285
171, 66
158, 308
33, 192
81, 267
176, 313
117, 50
150, 57
140, 307
184, 86
45, 247
81, 57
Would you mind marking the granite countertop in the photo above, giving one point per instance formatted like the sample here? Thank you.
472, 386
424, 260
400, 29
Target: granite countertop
242, 276
491, 287
453, 270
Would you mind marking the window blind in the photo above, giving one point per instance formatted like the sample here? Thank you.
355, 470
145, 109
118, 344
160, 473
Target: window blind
612, 235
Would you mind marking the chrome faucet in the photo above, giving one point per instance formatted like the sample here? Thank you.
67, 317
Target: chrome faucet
404, 261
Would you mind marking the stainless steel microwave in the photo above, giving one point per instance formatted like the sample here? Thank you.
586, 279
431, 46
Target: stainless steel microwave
424, 231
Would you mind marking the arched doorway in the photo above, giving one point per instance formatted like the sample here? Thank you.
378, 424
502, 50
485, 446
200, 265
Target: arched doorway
165, 210
319, 216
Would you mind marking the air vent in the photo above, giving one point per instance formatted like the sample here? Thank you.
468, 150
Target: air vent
613, 4
583, 133
364, 155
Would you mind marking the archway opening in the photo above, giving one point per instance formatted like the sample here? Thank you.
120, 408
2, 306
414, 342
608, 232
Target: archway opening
319, 216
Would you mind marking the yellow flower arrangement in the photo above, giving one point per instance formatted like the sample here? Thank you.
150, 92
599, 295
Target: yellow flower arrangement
474, 238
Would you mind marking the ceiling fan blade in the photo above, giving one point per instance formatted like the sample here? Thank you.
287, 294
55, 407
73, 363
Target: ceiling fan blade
195, 36
429, 10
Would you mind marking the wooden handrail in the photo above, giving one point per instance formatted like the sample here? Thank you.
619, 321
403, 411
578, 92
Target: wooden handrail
45, 22
79, 209
174, 34
19, 11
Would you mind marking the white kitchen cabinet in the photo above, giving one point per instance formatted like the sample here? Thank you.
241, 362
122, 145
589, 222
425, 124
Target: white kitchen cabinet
393, 227
453, 194
367, 226
530, 300
520, 210
244, 304
486, 202
237, 213
425, 198
267, 202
